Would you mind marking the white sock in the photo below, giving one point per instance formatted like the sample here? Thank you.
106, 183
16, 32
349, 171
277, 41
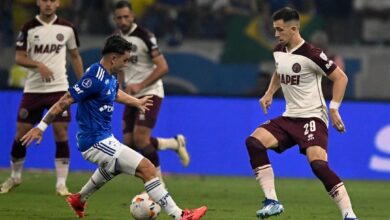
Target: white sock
159, 175
17, 168
340, 196
167, 143
160, 195
62, 170
97, 180
266, 178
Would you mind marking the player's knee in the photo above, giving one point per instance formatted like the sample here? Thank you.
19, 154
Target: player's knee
150, 153
253, 145
257, 152
146, 170
61, 133
141, 141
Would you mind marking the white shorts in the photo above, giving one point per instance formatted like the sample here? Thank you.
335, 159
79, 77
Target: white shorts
113, 156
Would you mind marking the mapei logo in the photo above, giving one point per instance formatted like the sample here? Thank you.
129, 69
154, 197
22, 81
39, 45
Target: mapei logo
382, 142
108, 108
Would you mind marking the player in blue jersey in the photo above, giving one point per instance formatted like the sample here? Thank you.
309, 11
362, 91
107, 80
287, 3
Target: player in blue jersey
95, 94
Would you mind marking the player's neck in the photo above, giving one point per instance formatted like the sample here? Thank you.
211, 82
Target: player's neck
297, 40
47, 18
106, 64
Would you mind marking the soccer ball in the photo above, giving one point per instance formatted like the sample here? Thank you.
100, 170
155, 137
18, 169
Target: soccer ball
142, 207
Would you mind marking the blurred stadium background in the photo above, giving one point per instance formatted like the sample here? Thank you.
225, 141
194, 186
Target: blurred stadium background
220, 58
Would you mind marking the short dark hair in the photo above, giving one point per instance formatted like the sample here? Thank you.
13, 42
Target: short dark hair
116, 44
122, 4
286, 14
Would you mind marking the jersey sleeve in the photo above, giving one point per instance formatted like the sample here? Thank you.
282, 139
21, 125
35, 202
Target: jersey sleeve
324, 64
87, 86
21, 40
73, 41
151, 43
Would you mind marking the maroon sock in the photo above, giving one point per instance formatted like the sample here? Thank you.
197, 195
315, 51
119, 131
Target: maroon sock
325, 174
151, 153
62, 149
154, 142
18, 150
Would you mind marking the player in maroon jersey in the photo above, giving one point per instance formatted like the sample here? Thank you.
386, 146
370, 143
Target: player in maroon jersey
299, 70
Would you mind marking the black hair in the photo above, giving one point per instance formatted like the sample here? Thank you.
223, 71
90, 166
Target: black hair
122, 4
116, 44
286, 14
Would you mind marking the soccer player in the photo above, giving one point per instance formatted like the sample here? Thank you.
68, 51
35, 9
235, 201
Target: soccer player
140, 79
41, 47
299, 69
95, 94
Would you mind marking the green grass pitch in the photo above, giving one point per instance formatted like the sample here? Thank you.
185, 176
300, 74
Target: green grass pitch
235, 198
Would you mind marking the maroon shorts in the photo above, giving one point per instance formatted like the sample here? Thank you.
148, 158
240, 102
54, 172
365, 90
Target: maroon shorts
132, 117
305, 132
33, 105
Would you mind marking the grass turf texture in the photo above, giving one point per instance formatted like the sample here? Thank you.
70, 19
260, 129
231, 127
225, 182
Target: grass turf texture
233, 198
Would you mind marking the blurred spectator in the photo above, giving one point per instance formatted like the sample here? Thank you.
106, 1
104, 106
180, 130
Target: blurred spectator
375, 20
92, 17
6, 31
320, 39
171, 19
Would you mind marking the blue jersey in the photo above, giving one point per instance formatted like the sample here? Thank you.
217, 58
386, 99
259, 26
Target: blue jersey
95, 94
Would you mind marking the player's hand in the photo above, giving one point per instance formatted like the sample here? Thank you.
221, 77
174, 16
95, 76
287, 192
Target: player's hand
31, 135
133, 88
265, 103
337, 122
144, 103
46, 74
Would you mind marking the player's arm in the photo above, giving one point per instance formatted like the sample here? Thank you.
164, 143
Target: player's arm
77, 62
266, 100
142, 104
22, 59
36, 133
158, 72
340, 81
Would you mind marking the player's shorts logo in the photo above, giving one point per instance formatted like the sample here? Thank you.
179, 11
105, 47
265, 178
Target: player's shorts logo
60, 37
23, 113
296, 68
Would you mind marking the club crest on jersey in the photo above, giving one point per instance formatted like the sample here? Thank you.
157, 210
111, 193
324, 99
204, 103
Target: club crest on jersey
60, 37
134, 48
296, 67
86, 83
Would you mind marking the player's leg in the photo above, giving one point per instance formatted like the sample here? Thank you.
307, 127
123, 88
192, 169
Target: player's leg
29, 113
18, 155
257, 144
144, 145
156, 190
177, 143
318, 159
62, 156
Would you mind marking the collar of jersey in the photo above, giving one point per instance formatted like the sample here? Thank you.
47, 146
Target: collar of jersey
133, 27
44, 23
296, 47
